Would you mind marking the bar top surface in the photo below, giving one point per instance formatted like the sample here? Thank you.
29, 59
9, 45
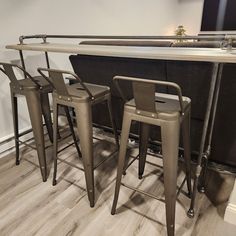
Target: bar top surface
162, 53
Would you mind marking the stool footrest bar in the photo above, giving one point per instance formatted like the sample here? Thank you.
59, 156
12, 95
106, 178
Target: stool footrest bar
142, 192
71, 164
105, 159
131, 162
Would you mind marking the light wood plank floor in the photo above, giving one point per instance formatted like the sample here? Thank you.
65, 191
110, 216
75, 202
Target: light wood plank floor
30, 207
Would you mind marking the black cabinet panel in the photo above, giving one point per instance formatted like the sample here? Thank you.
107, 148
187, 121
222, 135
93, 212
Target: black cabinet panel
194, 79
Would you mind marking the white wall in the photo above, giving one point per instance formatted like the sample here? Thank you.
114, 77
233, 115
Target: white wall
105, 17
190, 15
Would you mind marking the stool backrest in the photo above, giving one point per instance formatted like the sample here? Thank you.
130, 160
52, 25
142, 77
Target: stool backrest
56, 79
8, 70
144, 92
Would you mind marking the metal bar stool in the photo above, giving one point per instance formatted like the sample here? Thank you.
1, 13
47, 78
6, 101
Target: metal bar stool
81, 96
168, 112
36, 90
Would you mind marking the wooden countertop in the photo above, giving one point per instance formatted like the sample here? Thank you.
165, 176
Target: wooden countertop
162, 53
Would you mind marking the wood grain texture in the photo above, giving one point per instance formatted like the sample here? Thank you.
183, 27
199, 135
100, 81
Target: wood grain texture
163, 53
30, 207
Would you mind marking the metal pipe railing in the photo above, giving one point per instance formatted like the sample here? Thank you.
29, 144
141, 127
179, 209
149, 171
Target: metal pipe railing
229, 38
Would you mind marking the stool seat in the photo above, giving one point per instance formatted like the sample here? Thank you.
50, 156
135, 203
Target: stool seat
29, 84
167, 105
78, 92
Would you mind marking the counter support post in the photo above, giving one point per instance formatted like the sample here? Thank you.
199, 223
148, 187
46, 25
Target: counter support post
208, 150
215, 75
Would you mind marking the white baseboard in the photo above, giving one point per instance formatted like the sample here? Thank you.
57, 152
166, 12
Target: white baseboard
230, 212
7, 143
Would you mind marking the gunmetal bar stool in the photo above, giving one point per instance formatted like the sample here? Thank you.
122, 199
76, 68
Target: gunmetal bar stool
81, 96
35, 90
168, 112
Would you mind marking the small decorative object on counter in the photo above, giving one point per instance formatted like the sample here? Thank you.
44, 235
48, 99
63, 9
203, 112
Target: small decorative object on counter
180, 31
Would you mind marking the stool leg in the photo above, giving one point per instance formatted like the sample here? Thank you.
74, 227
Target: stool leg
170, 143
144, 131
55, 141
112, 121
187, 150
35, 112
121, 159
84, 124
16, 126
47, 114
72, 130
